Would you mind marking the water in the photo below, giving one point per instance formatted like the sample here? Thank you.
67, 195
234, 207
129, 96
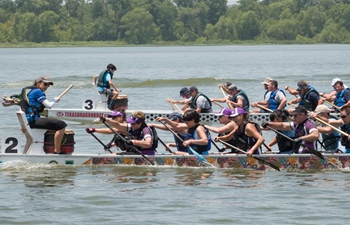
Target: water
42, 194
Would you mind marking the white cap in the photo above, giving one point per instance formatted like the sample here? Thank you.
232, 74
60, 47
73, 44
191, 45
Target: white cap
335, 80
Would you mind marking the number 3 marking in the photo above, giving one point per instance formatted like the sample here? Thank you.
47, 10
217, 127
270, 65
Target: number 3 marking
89, 104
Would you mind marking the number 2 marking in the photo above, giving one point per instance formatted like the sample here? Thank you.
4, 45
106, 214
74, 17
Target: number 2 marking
11, 148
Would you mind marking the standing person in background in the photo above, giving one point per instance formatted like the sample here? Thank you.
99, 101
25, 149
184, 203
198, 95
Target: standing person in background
305, 130
197, 137
276, 98
285, 145
237, 98
200, 102
309, 97
104, 84
266, 96
33, 102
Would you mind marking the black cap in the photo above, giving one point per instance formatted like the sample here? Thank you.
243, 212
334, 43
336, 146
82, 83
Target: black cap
299, 109
111, 66
193, 88
184, 91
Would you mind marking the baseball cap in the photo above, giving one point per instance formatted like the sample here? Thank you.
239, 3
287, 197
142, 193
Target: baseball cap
224, 111
174, 115
232, 87
335, 80
193, 88
184, 91
302, 85
133, 119
266, 81
44, 79
322, 109
299, 109
237, 112
116, 113
227, 84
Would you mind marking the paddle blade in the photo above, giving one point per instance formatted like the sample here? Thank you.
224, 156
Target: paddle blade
267, 163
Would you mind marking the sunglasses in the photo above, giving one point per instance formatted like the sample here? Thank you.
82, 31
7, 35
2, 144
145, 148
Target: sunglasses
46, 84
344, 116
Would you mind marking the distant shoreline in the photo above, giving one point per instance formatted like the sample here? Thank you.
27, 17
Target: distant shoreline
123, 44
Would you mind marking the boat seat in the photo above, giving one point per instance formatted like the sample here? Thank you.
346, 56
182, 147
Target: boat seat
34, 137
102, 99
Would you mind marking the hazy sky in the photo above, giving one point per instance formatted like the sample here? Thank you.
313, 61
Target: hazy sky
230, 2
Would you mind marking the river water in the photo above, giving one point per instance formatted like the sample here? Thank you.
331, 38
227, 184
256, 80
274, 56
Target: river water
46, 194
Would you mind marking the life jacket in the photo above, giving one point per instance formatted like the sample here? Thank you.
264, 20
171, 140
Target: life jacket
138, 135
193, 103
180, 147
244, 142
304, 99
192, 134
273, 104
284, 144
344, 139
245, 103
32, 112
339, 100
102, 82
120, 143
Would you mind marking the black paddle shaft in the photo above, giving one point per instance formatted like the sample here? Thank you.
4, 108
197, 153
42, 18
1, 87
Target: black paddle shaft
132, 146
312, 151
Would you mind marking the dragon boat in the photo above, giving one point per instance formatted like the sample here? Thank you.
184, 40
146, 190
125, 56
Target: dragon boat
38, 148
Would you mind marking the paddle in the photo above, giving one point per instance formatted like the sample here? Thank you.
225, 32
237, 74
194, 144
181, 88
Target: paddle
311, 150
219, 105
229, 103
105, 146
264, 108
201, 158
166, 147
122, 138
257, 158
330, 103
65, 91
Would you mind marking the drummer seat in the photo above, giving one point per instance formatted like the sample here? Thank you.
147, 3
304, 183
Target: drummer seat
34, 137
102, 99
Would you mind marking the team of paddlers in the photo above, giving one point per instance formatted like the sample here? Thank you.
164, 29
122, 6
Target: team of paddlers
295, 129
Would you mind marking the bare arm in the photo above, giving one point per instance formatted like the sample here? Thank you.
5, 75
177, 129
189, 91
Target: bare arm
203, 139
282, 103
251, 131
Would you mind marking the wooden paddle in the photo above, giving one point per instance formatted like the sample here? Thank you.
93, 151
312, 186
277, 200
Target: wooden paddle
311, 150
229, 103
254, 157
103, 120
330, 103
65, 91
218, 105
264, 108
201, 158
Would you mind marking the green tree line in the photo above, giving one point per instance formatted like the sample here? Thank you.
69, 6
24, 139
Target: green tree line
152, 21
